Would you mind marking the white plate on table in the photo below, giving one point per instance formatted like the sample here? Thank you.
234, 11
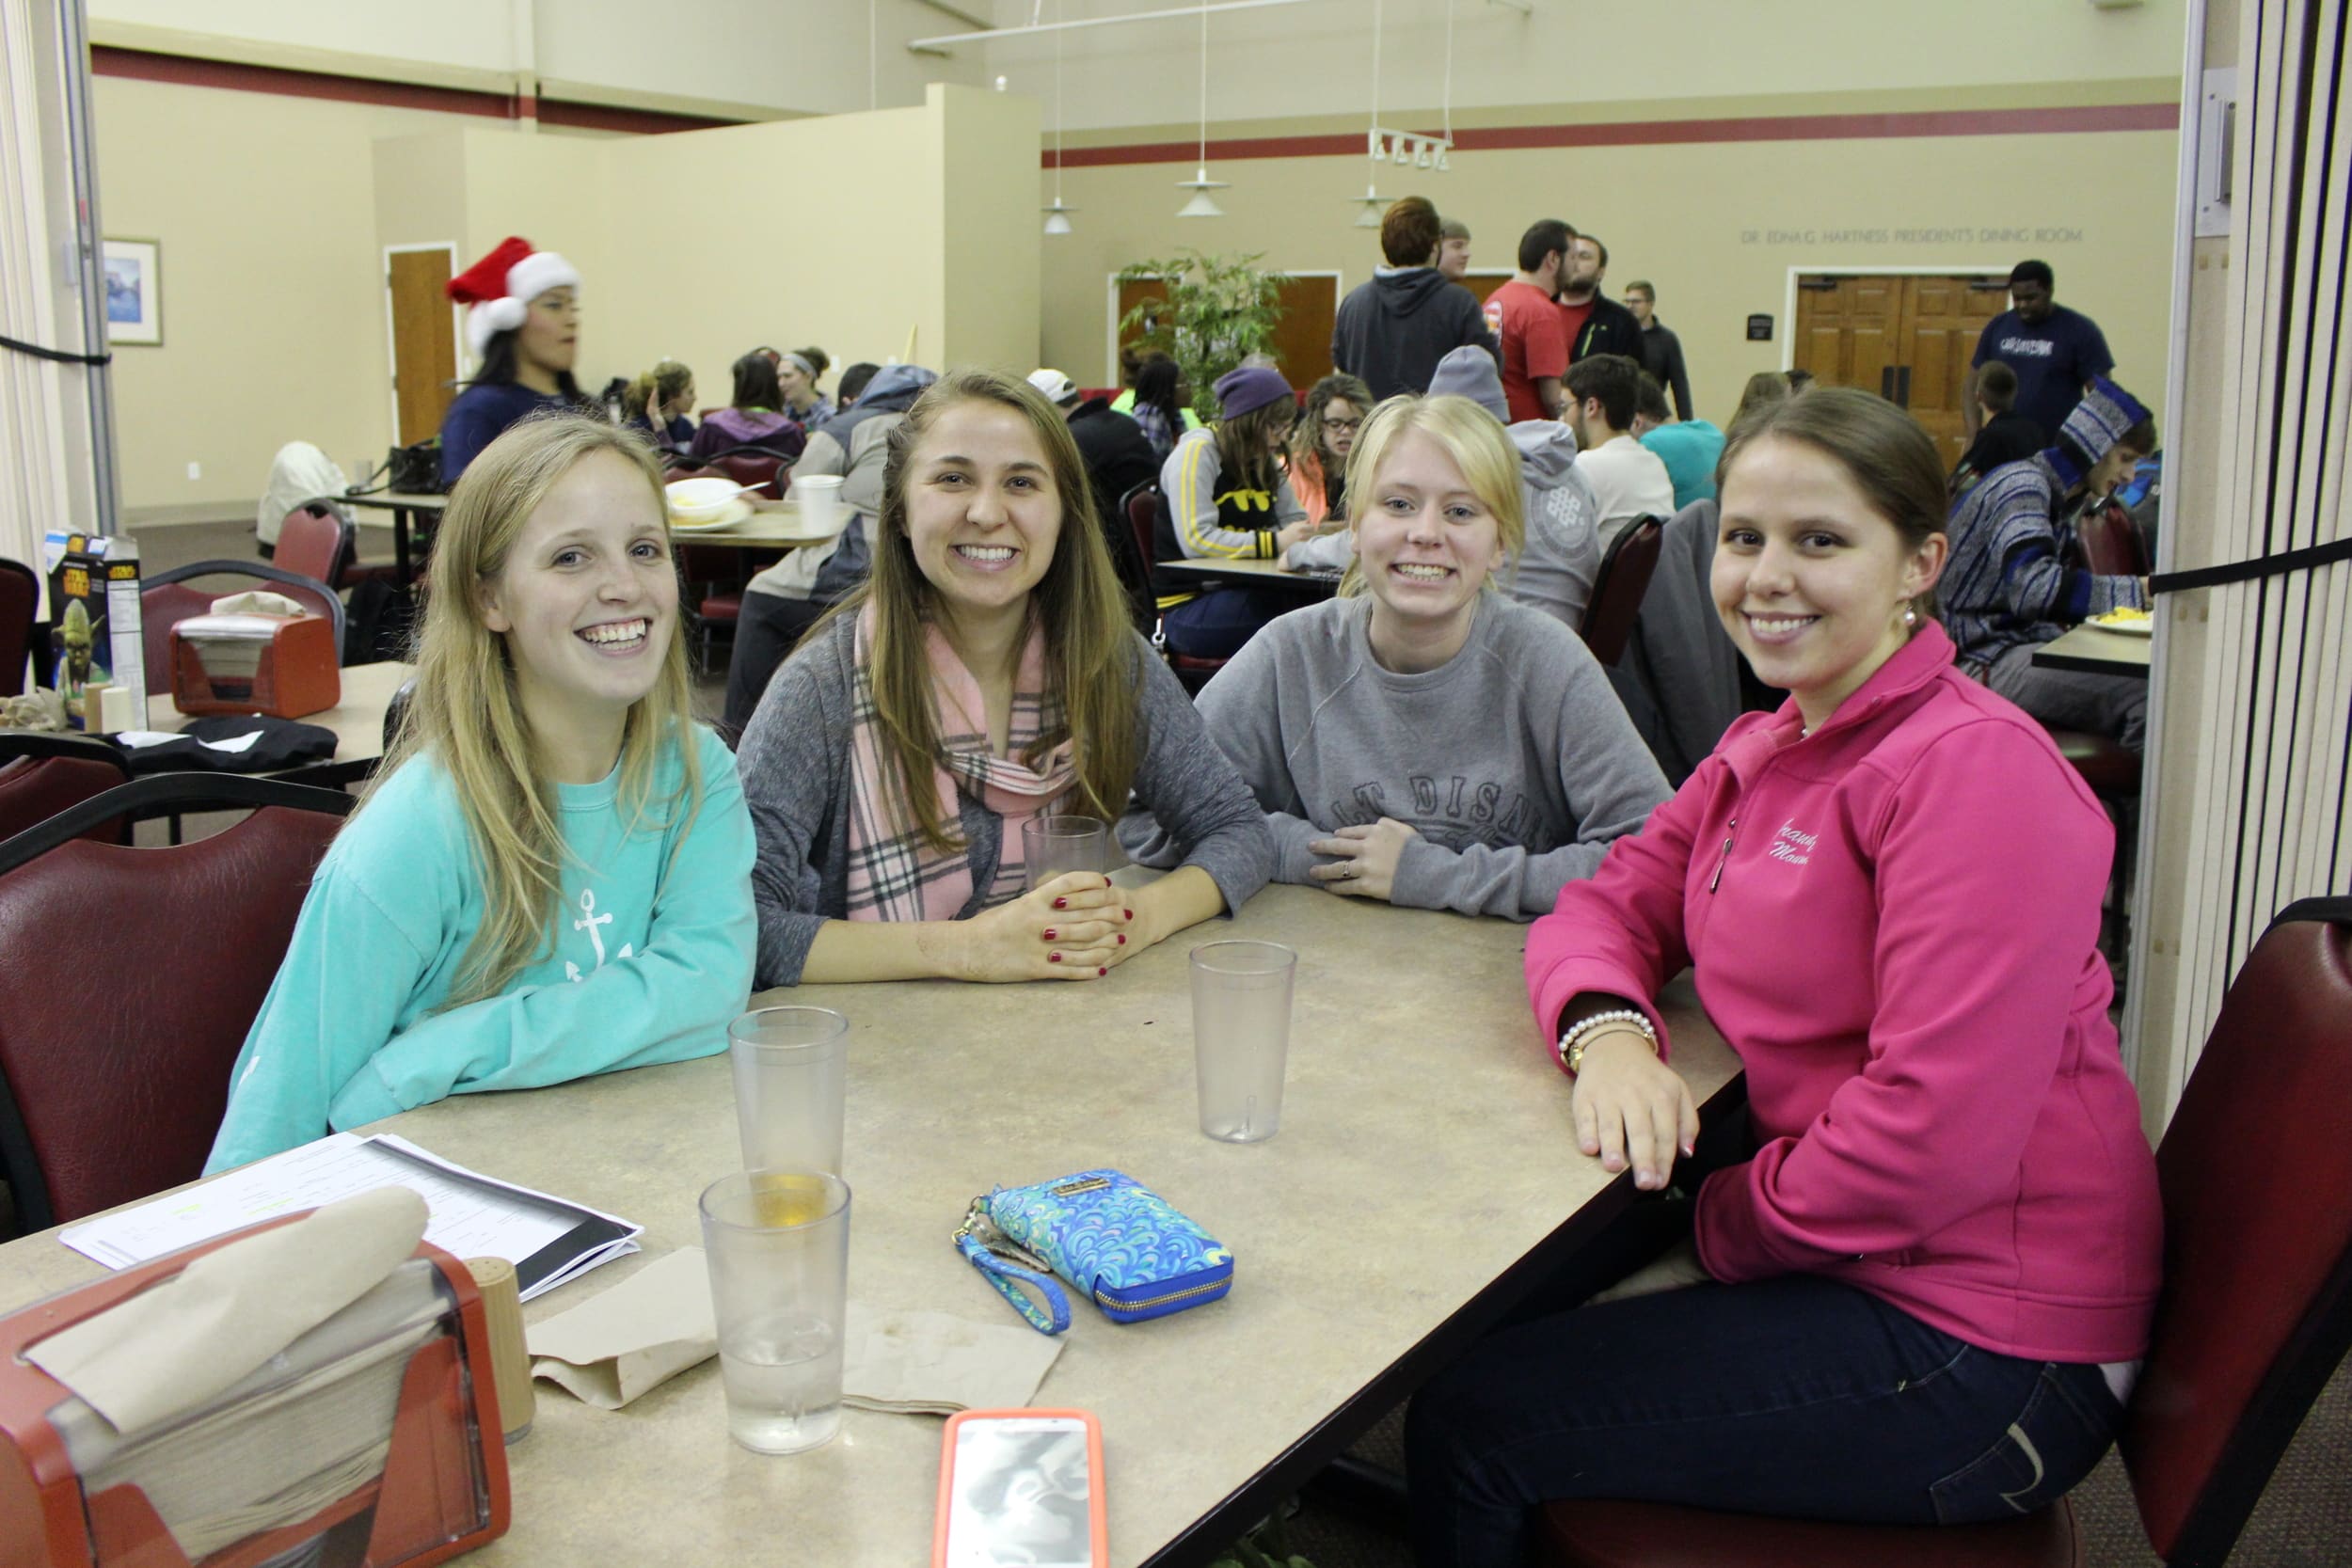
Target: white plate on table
701, 521
2127, 628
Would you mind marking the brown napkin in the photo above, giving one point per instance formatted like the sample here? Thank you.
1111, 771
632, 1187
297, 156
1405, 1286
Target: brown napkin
656, 1323
172, 1347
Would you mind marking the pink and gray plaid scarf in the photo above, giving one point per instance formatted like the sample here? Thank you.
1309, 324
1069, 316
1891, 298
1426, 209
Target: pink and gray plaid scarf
894, 875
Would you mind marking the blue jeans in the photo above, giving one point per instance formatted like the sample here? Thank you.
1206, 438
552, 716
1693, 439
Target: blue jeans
1799, 1396
1215, 625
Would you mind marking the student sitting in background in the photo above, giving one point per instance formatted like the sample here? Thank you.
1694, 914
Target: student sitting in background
2006, 436
1223, 497
797, 374
1336, 410
522, 323
551, 876
1156, 403
1627, 477
753, 416
1690, 449
986, 674
657, 402
1422, 739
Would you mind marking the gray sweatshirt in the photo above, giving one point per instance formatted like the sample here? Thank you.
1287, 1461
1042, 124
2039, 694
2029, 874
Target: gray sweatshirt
794, 758
1514, 760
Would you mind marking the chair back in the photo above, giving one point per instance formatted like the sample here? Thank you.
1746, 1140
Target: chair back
20, 607
2110, 542
166, 600
312, 541
1617, 589
115, 1078
1142, 506
2257, 1304
755, 466
1131, 559
41, 775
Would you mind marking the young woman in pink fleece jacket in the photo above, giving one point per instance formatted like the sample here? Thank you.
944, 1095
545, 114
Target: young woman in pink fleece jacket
1923, 1298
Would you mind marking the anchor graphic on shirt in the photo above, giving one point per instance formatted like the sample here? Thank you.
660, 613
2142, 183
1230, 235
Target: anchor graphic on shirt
589, 920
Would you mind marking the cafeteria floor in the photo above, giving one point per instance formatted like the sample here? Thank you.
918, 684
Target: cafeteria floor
2303, 1521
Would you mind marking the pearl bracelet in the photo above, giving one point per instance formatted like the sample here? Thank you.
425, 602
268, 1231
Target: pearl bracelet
1571, 1048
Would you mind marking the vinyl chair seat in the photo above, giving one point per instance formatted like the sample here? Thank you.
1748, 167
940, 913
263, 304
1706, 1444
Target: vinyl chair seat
1596, 1534
1618, 587
2108, 767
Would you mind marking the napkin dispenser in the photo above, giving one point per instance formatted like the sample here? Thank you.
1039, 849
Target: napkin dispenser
374, 1439
281, 665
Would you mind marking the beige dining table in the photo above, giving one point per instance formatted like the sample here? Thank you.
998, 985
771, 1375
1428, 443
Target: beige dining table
1425, 1174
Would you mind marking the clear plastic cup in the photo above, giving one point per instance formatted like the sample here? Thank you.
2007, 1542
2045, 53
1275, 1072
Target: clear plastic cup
1240, 1033
791, 1082
777, 1245
1051, 845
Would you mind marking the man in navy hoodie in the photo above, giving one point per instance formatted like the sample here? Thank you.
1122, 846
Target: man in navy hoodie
1393, 330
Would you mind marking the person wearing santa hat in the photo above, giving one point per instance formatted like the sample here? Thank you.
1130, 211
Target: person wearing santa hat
523, 325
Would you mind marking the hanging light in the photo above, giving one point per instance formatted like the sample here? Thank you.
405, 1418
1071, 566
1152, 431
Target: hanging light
1202, 205
1372, 200
1057, 213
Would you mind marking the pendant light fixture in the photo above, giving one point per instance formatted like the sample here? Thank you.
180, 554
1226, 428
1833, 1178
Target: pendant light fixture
1057, 216
1202, 204
1372, 201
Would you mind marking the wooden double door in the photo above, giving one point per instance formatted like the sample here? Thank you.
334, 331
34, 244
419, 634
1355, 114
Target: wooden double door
1301, 344
1908, 339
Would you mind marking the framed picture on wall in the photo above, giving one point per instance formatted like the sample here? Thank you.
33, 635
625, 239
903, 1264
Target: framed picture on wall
134, 291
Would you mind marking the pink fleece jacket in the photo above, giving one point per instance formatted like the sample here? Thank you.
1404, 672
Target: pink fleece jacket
1894, 924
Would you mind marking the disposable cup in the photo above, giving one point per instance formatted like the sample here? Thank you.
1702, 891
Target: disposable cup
791, 1082
1051, 845
819, 498
1241, 1032
777, 1247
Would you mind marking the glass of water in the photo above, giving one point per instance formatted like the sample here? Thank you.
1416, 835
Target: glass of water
777, 1245
1053, 846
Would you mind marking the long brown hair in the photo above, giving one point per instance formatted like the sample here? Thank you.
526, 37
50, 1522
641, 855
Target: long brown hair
1245, 460
1890, 457
1307, 436
466, 717
1090, 648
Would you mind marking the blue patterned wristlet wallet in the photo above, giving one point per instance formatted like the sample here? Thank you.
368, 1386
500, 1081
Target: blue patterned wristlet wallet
1105, 1232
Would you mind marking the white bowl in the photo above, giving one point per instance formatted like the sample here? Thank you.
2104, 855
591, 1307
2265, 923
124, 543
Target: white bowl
702, 501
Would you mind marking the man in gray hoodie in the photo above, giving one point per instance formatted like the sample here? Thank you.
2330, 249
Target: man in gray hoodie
1393, 330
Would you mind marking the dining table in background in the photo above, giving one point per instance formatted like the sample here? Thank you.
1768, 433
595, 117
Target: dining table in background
1320, 583
412, 520
358, 720
1424, 1180
2094, 650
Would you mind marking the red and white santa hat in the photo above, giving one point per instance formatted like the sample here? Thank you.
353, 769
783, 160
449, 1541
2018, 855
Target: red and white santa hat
501, 287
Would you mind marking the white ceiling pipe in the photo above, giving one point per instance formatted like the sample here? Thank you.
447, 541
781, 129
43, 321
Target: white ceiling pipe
1187, 13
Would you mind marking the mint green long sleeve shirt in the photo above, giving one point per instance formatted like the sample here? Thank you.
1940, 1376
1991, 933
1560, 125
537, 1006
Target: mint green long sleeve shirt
650, 959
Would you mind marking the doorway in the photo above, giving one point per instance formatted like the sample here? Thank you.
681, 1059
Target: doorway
425, 327
1301, 344
1905, 335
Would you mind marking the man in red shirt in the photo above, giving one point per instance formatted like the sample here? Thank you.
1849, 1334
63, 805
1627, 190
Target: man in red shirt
1522, 316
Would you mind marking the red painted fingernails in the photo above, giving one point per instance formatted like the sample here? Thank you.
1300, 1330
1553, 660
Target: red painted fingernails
1061, 903
1051, 933
1053, 957
1122, 939
1100, 972
1129, 913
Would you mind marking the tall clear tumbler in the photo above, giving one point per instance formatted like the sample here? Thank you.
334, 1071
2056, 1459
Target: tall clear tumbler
777, 1245
1053, 845
791, 1082
1241, 1032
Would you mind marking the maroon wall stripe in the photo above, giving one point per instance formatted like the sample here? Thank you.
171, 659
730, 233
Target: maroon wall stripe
1933, 122
144, 66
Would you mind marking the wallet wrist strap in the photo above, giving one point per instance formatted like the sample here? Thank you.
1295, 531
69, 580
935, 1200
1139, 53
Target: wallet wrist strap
1002, 1275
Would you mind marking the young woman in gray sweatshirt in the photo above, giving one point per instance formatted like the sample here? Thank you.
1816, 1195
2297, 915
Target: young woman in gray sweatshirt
1423, 738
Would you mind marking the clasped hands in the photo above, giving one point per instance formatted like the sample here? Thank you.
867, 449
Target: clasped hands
1074, 926
1365, 857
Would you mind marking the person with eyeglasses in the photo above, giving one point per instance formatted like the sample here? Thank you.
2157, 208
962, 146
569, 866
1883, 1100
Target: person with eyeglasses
1320, 442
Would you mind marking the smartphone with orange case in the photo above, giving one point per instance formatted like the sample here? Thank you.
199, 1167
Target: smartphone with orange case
1021, 1488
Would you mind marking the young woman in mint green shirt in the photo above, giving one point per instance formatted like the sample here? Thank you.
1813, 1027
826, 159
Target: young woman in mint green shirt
551, 877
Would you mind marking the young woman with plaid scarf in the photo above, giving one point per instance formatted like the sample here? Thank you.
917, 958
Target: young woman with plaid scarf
986, 674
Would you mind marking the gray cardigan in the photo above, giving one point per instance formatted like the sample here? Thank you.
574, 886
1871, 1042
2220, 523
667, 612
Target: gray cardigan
795, 762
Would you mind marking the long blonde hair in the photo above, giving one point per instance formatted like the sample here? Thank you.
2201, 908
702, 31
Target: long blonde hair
1471, 435
1090, 650
466, 718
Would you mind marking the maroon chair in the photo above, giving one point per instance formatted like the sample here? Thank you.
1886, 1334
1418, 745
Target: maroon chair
2111, 543
1617, 589
2255, 1313
166, 600
1143, 511
115, 1078
41, 775
2110, 771
20, 608
755, 466
314, 543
